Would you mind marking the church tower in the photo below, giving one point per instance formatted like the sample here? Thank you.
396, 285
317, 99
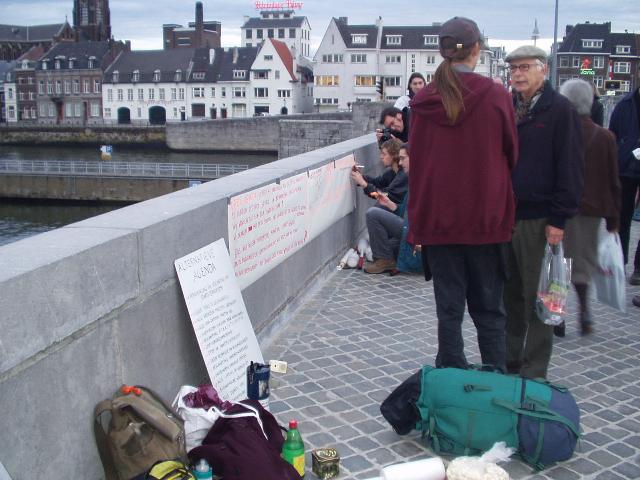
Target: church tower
92, 20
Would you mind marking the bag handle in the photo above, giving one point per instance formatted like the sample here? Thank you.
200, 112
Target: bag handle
151, 414
253, 413
101, 440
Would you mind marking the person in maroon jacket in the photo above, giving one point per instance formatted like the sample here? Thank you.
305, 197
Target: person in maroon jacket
462, 207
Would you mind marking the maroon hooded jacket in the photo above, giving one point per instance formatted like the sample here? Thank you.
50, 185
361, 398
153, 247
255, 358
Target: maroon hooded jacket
460, 180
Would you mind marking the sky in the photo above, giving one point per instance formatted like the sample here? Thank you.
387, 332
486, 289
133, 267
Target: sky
504, 22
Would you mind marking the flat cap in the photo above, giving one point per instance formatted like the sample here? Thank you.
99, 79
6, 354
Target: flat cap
526, 51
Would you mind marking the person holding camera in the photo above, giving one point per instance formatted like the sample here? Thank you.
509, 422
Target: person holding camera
395, 124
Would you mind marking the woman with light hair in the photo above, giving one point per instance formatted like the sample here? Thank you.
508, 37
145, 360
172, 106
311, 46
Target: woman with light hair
600, 199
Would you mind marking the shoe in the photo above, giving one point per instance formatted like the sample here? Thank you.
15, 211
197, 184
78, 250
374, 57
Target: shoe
380, 266
634, 279
586, 325
636, 300
560, 330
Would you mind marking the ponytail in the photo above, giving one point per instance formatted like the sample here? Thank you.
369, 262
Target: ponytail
448, 84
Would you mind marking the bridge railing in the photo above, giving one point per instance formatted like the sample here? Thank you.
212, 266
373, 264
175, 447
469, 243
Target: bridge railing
119, 169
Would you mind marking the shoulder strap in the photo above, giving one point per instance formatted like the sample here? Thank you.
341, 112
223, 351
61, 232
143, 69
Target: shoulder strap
536, 410
101, 440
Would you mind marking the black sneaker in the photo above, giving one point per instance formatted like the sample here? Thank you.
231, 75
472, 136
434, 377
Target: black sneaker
634, 279
560, 330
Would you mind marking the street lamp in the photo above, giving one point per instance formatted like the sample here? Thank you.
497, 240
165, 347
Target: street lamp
554, 50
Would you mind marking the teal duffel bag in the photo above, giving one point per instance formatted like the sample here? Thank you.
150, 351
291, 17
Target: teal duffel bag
465, 412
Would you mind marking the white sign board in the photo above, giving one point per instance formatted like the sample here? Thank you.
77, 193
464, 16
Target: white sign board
269, 224
219, 316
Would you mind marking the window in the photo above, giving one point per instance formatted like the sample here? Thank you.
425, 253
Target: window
107, 113
76, 85
151, 93
109, 95
213, 92
68, 110
239, 74
41, 87
135, 77
249, 33
430, 59
598, 62
161, 93
56, 64
563, 78
277, 74
292, 33
42, 109
198, 75
625, 85
12, 111
238, 92
95, 109
268, 58
115, 76
359, 38
130, 94
49, 88
86, 86
394, 39
141, 94
181, 94
598, 80
52, 110
78, 109
393, 59
120, 97
44, 64
156, 75
358, 58
260, 74
622, 67
21, 95
259, 33
328, 80
91, 62
174, 93
391, 81
198, 92
139, 112
58, 87
620, 49
332, 58
431, 39
223, 92
564, 62
71, 63
97, 86
590, 43
281, 33
575, 62
284, 93
260, 92
270, 32
326, 101
177, 76
365, 80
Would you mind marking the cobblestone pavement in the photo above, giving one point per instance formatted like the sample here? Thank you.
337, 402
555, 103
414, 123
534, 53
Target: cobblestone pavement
359, 336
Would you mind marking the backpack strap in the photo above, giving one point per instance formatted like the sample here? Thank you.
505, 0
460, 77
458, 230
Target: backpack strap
101, 440
535, 410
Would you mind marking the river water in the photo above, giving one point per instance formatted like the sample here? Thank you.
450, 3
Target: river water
23, 218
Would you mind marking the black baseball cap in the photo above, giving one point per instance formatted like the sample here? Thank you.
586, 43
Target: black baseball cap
457, 33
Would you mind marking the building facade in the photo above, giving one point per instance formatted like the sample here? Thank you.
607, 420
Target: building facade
198, 34
281, 25
352, 59
592, 52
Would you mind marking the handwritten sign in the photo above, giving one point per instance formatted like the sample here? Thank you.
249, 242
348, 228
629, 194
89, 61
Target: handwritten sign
219, 316
269, 224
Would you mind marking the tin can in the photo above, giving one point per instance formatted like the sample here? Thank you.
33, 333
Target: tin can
325, 463
258, 383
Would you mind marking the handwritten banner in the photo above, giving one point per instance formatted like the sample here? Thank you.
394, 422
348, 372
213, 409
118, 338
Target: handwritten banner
269, 224
219, 316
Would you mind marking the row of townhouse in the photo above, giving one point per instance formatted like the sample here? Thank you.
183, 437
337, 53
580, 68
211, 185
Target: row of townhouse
593, 51
88, 83
352, 59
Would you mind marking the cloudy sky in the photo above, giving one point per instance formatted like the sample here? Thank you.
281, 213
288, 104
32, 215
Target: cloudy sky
505, 22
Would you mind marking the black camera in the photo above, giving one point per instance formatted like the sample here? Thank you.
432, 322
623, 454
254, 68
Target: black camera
386, 135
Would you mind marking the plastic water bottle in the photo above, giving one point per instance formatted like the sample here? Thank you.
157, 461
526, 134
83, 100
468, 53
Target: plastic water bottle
203, 470
293, 448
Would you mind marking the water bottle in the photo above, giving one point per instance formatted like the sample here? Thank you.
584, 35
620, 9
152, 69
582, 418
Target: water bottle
203, 470
293, 448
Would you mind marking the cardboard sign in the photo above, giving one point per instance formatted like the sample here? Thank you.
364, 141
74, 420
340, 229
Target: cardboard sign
219, 316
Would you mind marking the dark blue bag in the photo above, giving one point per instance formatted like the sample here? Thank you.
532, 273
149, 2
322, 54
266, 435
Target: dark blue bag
408, 261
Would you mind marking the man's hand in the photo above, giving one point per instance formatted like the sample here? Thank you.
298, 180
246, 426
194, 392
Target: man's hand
358, 178
554, 235
385, 202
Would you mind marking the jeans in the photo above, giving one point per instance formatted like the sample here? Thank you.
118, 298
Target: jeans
385, 233
630, 188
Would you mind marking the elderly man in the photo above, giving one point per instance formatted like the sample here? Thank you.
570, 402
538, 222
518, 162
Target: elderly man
547, 182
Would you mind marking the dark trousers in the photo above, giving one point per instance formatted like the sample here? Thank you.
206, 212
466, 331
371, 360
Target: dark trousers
630, 188
473, 275
529, 340
385, 233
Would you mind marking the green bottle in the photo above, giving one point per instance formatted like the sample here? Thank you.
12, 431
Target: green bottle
293, 448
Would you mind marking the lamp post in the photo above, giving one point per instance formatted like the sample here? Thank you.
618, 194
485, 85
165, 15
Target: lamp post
554, 50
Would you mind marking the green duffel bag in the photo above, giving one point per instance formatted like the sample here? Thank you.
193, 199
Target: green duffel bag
465, 412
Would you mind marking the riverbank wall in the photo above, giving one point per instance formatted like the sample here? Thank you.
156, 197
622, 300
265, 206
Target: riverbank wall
44, 135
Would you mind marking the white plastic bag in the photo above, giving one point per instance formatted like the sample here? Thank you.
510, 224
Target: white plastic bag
609, 278
197, 421
481, 468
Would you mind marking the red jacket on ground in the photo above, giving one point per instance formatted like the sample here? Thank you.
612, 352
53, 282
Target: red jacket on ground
460, 179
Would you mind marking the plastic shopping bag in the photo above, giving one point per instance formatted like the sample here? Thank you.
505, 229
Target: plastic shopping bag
609, 278
198, 412
481, 468
553, 286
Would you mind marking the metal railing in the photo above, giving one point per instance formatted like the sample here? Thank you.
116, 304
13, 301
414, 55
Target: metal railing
119, 169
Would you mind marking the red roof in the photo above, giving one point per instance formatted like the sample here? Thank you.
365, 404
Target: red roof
285, 55
34, 53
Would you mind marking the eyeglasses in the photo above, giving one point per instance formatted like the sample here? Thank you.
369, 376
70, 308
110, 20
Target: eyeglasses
523, 67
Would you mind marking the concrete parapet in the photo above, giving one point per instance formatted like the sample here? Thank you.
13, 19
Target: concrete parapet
96, 304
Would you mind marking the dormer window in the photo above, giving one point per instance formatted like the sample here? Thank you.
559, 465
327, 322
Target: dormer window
177, 76
394, 39
156, 75
72, 62
431, 39
115, 76
198, 75
25, 64
622, 49
45, 64
239, 74
57, 64
359, 38
591, 43
135, 77
91, 62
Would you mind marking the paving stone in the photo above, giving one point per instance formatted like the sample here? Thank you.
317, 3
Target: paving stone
355, 463
629, 470
345, 432
622, 450
603, 458
608, 476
